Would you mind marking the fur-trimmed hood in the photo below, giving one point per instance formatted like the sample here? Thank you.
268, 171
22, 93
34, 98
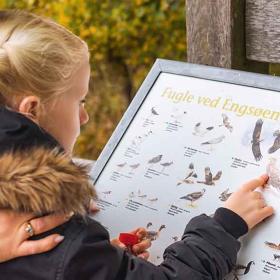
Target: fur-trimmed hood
35, 174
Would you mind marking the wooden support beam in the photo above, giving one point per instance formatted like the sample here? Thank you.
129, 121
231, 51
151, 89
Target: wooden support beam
216, 35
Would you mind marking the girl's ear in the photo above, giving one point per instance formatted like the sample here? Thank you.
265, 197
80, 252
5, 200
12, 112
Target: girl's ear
30, 107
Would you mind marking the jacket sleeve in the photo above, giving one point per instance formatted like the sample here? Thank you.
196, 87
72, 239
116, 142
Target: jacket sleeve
206, 252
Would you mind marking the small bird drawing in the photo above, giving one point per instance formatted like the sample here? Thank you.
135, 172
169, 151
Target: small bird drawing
198, 131
153, 199
272, 245
133, 167
224, 196
154, 112
142, 196
240, 270
107, 192
178, 116
155, 160
276, 144
226, 123
209, 179
274, 174
175, 238
131, 195
214, 141
121, 165
191, 174
152, 234
164, 165
256, 149
192, 197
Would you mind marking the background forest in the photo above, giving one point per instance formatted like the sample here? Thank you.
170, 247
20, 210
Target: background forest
124, 37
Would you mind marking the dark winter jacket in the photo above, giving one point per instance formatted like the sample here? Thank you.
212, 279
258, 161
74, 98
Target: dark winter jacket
35, 178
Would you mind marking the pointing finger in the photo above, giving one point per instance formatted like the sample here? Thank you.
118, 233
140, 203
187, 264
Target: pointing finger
255, 183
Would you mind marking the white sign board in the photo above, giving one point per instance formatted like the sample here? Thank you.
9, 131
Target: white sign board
192, 136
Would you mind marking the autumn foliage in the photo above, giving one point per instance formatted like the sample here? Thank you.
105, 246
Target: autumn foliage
124, 37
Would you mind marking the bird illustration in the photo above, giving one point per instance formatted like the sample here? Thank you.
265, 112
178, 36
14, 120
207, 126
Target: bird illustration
198, 131
240, 270
224, 196
175, 238
142, 196
131, 195
178, 116
165, 164
191, 174
153, 199
276, 144
276, 257
226, 123
107, 192
272, 245
133, 167
152, 234
121, 165
192, 197
148, 133
256, 149
214, 141
274, 174
154, 112
209, 179
155, 160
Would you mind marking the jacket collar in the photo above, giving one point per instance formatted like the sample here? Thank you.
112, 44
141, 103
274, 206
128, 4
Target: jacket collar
35, 174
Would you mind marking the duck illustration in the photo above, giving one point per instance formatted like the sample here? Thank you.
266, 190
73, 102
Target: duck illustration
224, 196
192, 197
164, 165
155, 160
133, 167
152, 234
121, 165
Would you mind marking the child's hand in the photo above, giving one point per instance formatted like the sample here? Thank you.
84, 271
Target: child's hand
139, 249
250, 204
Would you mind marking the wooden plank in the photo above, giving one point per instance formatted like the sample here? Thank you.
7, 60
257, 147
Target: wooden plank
208, 32
263, 30
216, 35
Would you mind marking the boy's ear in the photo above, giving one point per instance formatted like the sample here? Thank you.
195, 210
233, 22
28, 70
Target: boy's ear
30, 107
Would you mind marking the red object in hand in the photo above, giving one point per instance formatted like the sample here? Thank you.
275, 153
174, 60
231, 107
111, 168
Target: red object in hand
128, 239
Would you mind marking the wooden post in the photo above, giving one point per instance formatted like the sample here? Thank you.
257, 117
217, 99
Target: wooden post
216, 35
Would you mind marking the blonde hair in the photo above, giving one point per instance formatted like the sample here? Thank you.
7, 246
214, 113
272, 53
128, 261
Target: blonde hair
37, 56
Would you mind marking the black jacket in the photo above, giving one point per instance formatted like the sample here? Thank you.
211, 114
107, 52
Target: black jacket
208, 248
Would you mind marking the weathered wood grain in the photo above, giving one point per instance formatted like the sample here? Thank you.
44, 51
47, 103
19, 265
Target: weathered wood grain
263, 30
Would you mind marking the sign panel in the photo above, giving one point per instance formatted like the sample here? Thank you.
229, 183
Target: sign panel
191, 136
